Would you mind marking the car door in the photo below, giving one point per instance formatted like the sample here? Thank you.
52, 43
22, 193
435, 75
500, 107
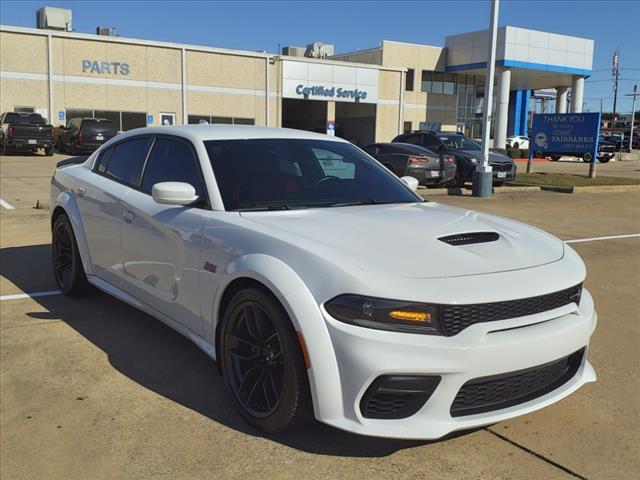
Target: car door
161, 243
99, 196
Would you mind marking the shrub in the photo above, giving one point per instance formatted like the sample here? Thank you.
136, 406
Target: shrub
514, 152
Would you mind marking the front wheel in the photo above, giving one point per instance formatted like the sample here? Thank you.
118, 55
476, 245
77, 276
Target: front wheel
555, 158
262, 362
48, 151
603, 160
67, 264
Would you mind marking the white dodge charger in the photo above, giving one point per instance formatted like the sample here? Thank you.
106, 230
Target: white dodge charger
322, 284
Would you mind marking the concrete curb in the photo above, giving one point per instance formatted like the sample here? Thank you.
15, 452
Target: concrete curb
594, 189
458, 192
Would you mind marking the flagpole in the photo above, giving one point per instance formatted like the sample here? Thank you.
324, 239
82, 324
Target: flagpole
616, 60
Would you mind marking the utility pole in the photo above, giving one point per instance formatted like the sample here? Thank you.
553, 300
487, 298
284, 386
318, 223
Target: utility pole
633, 114
483, 175
615, 88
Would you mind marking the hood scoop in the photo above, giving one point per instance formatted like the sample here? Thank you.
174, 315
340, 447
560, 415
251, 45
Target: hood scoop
470, 238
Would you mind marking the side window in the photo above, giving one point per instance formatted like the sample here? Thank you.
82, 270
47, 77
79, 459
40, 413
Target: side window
172, 161
414, 139
127, 160
333, 165
430, 141
103, 161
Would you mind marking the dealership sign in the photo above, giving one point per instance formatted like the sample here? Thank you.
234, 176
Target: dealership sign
331, 92
106, 68
566, 133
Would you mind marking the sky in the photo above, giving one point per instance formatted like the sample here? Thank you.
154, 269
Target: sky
613, 24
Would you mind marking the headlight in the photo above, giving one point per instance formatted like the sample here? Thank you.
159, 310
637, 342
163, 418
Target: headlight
474, 160
381, 314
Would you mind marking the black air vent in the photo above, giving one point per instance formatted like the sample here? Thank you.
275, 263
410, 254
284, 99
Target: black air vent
470, 238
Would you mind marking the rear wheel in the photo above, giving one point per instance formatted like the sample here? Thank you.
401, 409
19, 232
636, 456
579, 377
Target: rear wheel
67, 264
262, 362
555, 158
603, 159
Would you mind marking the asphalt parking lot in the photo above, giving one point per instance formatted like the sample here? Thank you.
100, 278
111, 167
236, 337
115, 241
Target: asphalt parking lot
92, 388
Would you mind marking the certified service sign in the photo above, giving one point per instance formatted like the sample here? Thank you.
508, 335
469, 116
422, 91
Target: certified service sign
565, 133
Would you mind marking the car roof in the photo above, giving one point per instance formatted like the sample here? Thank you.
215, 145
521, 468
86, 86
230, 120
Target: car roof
204, 132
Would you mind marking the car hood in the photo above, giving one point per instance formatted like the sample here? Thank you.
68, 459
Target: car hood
403, 239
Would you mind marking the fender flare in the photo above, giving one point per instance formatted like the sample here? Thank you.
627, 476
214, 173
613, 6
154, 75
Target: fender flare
306, 317
66, 201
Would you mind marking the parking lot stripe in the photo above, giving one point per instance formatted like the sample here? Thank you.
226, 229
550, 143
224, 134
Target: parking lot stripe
6, 205
19, 296
611, 237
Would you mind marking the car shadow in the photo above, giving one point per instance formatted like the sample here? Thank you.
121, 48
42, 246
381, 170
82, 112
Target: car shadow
158, 358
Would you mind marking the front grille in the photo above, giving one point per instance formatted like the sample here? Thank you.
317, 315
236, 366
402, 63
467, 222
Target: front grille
501, 167
487, 394
455, 318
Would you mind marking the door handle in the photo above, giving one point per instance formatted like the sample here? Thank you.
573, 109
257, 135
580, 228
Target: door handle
128, 216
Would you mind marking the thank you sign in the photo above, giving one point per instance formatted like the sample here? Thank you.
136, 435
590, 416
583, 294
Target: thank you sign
566, 133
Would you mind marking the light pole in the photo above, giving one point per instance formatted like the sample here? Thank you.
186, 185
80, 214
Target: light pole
483, 175
633, 114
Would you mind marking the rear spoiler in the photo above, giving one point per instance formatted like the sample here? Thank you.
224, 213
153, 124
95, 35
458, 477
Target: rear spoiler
70, 161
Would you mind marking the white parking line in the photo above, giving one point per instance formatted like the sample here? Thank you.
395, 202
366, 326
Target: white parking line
30, 295
6, 205
612, 237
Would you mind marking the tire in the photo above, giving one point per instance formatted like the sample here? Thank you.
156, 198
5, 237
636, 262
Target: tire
603, 160
59, 146
258, 343
555, 158
67, 264
498, 184
74, 150
48, 151
516, 145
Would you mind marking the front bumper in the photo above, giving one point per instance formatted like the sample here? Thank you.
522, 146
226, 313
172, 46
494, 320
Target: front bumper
481, 350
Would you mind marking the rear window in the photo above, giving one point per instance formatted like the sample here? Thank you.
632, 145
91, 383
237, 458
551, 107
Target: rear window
98, 126
127, 160
17, 119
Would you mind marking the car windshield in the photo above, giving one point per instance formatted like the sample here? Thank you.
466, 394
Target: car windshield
276, 174
459, 142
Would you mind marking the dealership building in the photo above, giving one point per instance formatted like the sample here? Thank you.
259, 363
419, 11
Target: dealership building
364, 96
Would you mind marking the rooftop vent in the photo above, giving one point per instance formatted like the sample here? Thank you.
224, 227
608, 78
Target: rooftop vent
107, 31
319, 50
51, 18
292, 51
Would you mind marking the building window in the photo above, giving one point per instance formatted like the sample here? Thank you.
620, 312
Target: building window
406, 127
24, 109
408, 83
193, 119
122, 121
438, 82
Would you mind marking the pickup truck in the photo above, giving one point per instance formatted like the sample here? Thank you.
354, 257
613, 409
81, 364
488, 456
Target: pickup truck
25, 132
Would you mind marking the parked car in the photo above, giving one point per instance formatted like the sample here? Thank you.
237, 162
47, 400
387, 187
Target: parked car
349, 297
467, 153
415, 161
84, 135
606, 151
518, 141
25, 132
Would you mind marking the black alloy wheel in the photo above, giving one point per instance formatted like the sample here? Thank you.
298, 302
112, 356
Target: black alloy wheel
67, 264
262, 362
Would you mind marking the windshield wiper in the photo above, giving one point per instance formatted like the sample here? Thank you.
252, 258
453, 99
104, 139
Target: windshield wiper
264, 208
366, 201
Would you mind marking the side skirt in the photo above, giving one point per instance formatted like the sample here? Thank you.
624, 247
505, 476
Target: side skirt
123, 296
